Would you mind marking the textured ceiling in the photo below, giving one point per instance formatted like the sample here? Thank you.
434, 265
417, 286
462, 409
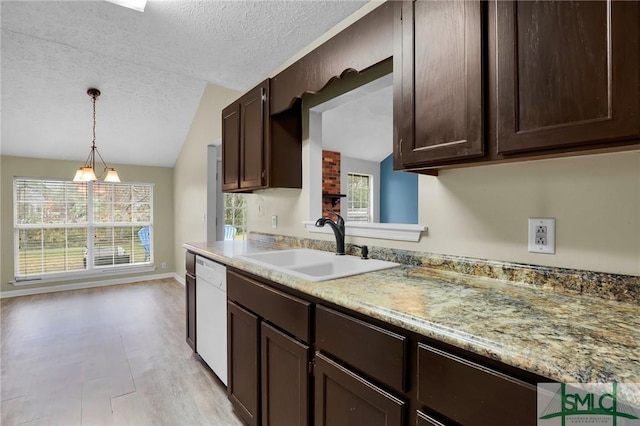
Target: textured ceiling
151, 67
359, 123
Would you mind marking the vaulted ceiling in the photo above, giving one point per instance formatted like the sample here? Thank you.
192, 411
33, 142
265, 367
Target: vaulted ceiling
151, 67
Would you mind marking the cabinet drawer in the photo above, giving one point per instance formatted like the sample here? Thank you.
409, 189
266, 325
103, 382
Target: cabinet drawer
472, 394
370, 349
191, 263
288, 312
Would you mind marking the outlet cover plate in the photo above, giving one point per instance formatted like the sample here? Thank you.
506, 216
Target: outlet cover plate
542, 235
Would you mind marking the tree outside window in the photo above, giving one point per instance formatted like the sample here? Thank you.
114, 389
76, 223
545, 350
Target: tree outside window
235, 212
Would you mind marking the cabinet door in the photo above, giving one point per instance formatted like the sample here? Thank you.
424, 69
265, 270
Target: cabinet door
424, 420
438, 85
344, 398
567, 73
190, 298
285, 379
243, 357
254, 136
231, 147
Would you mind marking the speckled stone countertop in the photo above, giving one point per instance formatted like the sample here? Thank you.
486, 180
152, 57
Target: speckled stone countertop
564, 337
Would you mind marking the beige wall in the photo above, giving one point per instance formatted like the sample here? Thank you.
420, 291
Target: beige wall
190, 170
482, 212
163, 195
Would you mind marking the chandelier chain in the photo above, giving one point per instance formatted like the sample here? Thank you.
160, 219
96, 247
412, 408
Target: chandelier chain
94, 119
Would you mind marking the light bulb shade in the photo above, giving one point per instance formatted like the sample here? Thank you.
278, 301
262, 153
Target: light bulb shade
78, 176
85, 174
112, 176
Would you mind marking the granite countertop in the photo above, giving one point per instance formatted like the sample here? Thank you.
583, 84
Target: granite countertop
564, 337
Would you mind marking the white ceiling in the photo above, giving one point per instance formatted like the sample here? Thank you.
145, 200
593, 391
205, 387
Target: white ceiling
359, 123
151, 67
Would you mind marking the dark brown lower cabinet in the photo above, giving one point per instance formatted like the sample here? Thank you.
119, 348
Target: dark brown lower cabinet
365, 373
190, 297
285, 379
344, 398
243, 358
472, 394
269, 355
425, 420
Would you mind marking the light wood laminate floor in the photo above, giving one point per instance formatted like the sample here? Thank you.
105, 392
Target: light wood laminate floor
105, 356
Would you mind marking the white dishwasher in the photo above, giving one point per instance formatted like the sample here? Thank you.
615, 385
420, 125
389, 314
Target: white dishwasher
211, 315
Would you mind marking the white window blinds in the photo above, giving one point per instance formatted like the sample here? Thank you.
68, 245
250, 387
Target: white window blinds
66, 227
359, 208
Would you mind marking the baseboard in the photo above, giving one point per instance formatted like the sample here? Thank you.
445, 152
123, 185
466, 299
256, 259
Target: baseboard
89, 284
179, 278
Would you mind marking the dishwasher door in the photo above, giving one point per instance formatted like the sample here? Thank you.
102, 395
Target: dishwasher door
211, 315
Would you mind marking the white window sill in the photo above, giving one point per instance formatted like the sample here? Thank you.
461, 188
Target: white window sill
95, 273
384, 231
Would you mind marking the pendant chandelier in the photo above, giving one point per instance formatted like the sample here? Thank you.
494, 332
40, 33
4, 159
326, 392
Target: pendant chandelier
87, 173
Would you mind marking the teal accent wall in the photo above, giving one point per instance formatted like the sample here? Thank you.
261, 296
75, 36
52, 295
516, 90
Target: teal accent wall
398, 194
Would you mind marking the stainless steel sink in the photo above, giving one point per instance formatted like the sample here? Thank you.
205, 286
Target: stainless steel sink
315, 265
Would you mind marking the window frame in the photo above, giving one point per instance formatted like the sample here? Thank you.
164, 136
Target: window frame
91, 270
350, 201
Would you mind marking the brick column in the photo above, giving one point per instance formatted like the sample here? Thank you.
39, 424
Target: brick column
330, 177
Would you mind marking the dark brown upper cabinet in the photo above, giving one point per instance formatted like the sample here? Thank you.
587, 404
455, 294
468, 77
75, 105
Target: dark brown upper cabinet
262, 130
254, 136
478, 82
438, 82
245, 140
260, 150
231, 147
567, 72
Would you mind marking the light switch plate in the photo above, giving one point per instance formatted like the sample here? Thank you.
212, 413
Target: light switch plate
542, 235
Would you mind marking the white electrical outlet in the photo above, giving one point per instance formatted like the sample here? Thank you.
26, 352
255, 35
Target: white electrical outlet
163, 265
542, 235
274, 221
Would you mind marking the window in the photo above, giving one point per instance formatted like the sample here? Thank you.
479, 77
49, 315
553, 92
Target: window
235, 207
359, 198
63, 227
